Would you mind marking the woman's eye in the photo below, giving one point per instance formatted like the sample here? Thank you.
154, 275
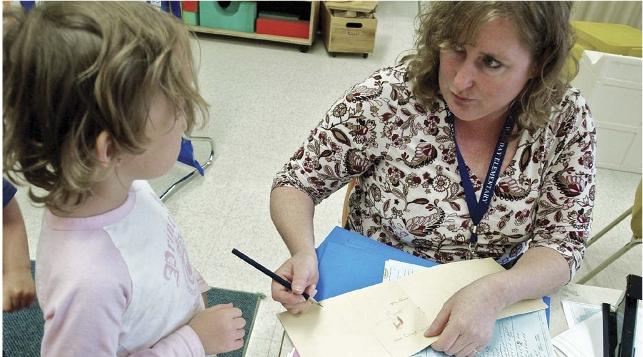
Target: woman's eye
492, 63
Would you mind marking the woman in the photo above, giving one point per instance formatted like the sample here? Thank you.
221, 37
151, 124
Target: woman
473, 147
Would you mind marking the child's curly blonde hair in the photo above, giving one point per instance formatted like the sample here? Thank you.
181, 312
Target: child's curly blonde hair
543, 26
74, 69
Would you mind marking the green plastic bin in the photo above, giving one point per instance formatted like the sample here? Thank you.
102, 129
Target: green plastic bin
229, 15
190, 18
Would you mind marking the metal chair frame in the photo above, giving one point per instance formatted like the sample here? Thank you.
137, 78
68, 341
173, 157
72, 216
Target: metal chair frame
629, 245
187, 178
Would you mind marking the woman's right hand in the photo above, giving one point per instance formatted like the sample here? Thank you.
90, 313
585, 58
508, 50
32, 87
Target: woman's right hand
301, 270
220, 328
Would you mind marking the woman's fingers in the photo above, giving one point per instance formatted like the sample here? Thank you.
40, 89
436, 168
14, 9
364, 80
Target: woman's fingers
469, 351
439, 323
447, 339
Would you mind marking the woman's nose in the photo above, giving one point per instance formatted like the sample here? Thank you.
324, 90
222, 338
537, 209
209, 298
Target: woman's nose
464, 76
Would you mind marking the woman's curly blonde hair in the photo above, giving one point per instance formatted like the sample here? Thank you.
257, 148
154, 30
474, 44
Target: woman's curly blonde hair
74, 69
543, 26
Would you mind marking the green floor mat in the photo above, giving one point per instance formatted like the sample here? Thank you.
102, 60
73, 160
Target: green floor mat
247, 302
22, 330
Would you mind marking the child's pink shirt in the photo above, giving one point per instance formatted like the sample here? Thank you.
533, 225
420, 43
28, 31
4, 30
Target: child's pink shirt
118, 284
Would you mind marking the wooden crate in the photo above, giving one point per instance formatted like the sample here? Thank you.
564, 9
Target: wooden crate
347, 34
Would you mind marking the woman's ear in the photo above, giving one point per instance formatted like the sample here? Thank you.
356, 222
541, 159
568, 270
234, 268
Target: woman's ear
104, 149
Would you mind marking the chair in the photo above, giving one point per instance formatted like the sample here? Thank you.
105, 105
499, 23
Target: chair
635, 224
349, 190
186, 156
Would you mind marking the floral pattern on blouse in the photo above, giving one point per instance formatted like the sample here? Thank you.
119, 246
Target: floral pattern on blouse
408, 192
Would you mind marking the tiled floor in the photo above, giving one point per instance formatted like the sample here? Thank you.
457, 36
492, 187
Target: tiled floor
265, 97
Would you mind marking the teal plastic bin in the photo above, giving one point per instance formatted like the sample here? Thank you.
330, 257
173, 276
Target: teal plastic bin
229, 15
190, 18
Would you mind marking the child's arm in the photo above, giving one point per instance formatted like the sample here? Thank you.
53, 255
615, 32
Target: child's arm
86, 321
18, 286
203, 287
220, 327
84, 291
88, 324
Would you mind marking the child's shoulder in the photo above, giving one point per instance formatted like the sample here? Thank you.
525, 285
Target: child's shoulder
81, 261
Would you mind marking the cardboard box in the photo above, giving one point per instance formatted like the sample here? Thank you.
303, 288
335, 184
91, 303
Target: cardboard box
349, 34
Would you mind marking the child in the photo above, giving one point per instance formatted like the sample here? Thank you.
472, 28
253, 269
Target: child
18, 289
97, 96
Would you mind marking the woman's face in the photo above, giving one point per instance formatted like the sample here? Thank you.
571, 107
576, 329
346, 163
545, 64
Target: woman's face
480, 80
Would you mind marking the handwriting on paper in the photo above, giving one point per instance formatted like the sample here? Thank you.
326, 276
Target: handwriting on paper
400, 320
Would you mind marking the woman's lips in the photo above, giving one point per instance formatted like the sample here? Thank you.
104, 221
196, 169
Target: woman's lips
461, 98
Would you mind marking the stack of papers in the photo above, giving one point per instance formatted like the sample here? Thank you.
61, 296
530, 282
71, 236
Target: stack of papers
520, 335
389, 319
349, 262
584, 338
577, 312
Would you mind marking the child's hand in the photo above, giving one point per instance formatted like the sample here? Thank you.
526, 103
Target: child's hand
18, 290
220, 328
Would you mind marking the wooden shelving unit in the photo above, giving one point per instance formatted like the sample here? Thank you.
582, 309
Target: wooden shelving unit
304, 43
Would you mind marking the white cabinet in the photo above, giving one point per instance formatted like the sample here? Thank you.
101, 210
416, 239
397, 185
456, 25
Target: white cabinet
612, 86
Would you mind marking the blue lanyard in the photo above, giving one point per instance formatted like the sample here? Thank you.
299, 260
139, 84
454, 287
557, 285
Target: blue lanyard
478, 209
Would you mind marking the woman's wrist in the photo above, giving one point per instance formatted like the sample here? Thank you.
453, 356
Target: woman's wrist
300, 245
308, 252
500, 286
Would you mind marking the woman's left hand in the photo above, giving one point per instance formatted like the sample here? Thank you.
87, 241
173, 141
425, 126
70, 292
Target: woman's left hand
465, 323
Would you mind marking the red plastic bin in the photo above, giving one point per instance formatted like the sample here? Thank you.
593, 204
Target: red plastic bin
190, 6
279, 27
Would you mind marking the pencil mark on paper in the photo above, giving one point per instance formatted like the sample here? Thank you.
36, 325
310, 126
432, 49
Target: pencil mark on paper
398, 323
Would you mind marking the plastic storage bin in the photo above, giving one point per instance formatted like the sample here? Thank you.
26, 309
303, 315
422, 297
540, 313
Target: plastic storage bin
612, 86
190, 6
190, 18
283, 27
230, 15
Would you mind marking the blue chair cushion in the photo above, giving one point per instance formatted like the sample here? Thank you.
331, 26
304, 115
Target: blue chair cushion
186, 156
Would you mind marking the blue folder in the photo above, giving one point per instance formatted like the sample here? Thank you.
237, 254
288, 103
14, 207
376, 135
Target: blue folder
349, 261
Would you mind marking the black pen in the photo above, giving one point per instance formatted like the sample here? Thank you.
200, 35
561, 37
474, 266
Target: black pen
274, 276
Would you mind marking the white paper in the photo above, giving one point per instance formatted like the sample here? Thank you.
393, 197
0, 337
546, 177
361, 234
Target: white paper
395, 270
585, 339
521, 335
576, 312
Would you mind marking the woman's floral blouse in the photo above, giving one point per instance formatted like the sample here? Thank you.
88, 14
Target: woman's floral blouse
408, 192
